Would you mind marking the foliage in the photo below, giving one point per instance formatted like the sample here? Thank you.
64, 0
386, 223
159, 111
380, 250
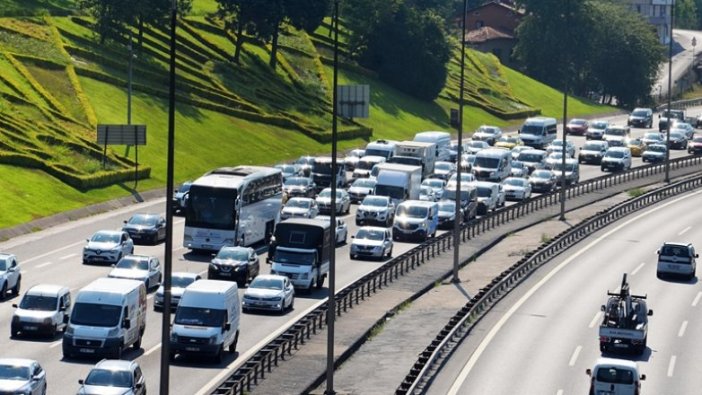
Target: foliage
686, 14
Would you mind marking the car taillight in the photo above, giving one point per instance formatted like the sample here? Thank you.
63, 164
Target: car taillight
604, 339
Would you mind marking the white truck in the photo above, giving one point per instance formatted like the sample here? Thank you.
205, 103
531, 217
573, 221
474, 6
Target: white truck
300, 250
384, 148
416, 153
625, 322
399, 182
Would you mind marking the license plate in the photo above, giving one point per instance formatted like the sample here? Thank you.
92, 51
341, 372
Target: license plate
87, 350
621, 345
31, 328
226, 274
192, 349
206, 246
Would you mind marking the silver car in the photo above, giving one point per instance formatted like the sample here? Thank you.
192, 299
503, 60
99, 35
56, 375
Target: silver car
111, 376
371, 242
269, 292
179, 280
22, 376
299, 207
10, 275
343, 201
139, 267
107, 246
517, 188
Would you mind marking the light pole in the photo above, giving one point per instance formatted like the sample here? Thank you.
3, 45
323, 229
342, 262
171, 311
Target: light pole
670, 91
168, 253
565, 116
458, 219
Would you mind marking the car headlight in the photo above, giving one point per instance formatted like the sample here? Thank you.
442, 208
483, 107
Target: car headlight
304, 276
113, 332
212, 339
174, 337
116, 248
422, 225
213, 266
69, 330
277, 299
46, 321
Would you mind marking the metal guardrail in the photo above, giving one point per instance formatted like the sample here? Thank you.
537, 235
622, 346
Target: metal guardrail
264, 360
465, 319
680, 104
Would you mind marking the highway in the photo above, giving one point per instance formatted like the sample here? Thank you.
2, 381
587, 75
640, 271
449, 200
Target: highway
542, 337
54, 256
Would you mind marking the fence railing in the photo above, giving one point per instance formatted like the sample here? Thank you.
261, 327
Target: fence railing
441, 348
264, 360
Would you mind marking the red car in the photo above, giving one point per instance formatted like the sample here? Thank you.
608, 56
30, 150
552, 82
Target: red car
695, 146
577, 126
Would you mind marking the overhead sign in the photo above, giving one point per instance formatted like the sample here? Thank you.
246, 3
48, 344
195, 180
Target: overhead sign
352, 101
121, 134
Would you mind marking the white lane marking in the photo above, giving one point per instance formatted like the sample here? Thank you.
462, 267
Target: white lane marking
44, 264
697, 299
595, 319
56, 344
34, 258
671, 366
459, 381
575, 355
682, 232
560, 392
150, 296
681, 332
152, 349
638, 268
23, 272
67, 256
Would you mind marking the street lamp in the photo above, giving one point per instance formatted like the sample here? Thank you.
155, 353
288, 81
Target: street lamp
565, 116
670, 91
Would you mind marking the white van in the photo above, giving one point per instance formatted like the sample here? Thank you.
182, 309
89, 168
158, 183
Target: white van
415, 219
679, 259
538, 132
615, 377
42, 310
442, 141
384, 148
108, 316
206, 320
492, 164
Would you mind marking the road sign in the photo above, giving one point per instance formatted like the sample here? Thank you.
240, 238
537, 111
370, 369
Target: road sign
121, 134
353, 101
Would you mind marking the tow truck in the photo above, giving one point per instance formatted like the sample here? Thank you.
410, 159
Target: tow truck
625, 322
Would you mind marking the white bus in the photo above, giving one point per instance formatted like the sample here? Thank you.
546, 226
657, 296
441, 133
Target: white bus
233, 206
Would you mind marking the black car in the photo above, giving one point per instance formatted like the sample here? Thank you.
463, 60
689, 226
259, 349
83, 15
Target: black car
238, 264
641, 118
677, 141
146, 228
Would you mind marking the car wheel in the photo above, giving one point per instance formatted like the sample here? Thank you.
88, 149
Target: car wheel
232, 347
16, 288
3, 291
137, 344
219, 356
390, 253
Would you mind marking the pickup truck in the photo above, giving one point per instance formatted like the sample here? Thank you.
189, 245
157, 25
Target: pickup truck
665, 118
624, 324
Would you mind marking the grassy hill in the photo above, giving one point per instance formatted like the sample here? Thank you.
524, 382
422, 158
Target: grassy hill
57, 83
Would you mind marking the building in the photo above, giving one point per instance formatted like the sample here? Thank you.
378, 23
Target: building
657, 13
491, 28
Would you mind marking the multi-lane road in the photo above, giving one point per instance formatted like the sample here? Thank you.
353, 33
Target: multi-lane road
54, 256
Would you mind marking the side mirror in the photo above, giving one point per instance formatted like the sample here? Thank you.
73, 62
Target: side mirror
139, 385
643, 377
603, 308
658, 252
14, 305
126, 324
352, 236
125, 221
588, 372
87, 240
81, 382
226, 327
650, 312
697, 255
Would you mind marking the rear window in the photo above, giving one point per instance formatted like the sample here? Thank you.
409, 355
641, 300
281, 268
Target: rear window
615, 376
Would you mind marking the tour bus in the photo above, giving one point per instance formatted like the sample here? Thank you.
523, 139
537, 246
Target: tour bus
233, 206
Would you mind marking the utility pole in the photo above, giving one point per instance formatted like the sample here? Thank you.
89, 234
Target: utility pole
670, 91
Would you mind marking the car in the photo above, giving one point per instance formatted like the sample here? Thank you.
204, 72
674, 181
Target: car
577, 126
517, 188
22, 376
114, 376
444, 170
146, 228
447, 214
641, 118
10, 275
488, 134
472, 147
517, 149
361, 188
509, 141
519, 169
615, 377
679, 259
698, 121
636, 146
107, 246
572, 171
179, 280
343, 201
43, 310
180, 197
299, 207
467, 162
688, 129
533, 159
488, 196
653, 138
365, 165
592, 152
542, 180
376, 210
352, 158
667, 117
239, 264
677, 140
557, 146
695, 146
289, 170
342, 230
139, 267
436, 184
616, 158
654, 153
305, 163
553, 159
616, 135
270, 292
371, 242
299, 187
427, 193
596, 129
465, 177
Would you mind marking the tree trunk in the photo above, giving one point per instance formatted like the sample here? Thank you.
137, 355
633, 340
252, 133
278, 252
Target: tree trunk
239, 41
274, 47
140, 38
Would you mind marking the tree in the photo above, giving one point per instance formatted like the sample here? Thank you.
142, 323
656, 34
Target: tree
237, 15
110, 15
686, 14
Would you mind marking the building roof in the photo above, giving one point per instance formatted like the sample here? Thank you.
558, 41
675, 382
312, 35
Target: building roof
486, 33
495, 3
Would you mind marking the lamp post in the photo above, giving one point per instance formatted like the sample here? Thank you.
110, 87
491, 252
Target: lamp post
168, 253
565, 116
670, 91
459, 152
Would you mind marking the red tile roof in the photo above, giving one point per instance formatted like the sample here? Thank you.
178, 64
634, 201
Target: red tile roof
485, 33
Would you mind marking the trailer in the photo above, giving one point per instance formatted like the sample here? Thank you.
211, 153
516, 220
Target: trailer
624, 325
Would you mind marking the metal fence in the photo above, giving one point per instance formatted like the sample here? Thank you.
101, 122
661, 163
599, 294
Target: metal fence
265, 359
463, 321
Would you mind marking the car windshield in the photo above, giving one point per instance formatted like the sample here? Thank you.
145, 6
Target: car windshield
517, 182
364, 183
488, 130
592, 147
447, 207
181, 282
509, 139
96, 314
376, 201
656, 148
294, 257
477, 144
433, 183
697, 140
517, 165
484, 192
426, 190
615, 132
568, 166
615, 376
267, 283
614, 154
653, 136
148, 220
199, 316
327, 193
599, 125
370, 234
39, 302
299, 203
412, 211
639, 113
556, 155
297, 181
133, 263
287, 168
676, 135
235, 254
9, 372
184, 188
443, 166
529, 157
109, 378
541, 174
465, 177
490, 163
102, 237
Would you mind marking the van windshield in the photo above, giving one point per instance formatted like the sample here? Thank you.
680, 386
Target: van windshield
199, 316
535, 130
378, 152
297, 258
412, 211
490, 163
393, 192
38, 302
93, 314
615, 376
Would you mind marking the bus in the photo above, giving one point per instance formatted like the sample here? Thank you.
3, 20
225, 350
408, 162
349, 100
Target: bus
233, 206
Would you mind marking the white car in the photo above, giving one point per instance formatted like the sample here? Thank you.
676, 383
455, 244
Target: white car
596, 129
593, 152
427, 193
557, 146
437, 184
616, 158
552, 159
474, 146
342, 230
179, 280
10, 276
269, 292
615, 377
44, 310
488, 196
375, 209
489, 134
371, 242
22, 376
443, 170
343, 201
519, 169
465, 177
352, 158
517, 188
111, 376
361, 188
677, 259
139, 267
107, 246
616, 136
299, 207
